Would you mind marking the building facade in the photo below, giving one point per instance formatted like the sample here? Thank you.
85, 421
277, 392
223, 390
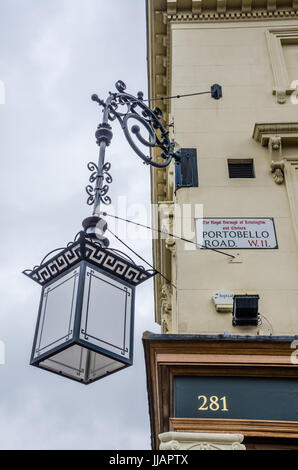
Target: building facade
225, 360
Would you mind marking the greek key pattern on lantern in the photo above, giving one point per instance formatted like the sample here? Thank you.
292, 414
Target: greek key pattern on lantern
116, 265
104, 258
57, 265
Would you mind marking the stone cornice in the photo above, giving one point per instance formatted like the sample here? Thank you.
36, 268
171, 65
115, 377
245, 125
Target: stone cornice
197, 7
288, 131
234, 15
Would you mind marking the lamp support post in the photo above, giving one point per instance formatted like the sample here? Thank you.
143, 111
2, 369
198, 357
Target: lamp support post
103, 139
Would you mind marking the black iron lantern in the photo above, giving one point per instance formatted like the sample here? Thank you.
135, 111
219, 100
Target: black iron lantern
86, 315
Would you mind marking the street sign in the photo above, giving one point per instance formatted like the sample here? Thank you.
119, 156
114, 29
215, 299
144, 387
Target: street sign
236, 233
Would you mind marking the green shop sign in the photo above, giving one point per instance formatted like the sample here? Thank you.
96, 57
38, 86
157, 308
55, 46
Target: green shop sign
236, 398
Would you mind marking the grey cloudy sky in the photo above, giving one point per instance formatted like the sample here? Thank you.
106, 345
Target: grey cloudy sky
53, 55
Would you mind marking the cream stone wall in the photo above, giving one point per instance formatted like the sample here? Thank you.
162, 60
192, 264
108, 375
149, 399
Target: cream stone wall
237, 56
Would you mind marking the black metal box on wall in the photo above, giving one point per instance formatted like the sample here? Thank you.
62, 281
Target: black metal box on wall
186, 170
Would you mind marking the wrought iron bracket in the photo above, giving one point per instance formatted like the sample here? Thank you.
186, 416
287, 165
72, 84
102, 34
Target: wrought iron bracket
125, 107
128, 109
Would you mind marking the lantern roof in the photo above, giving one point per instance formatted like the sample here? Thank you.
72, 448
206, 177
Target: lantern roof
110, 260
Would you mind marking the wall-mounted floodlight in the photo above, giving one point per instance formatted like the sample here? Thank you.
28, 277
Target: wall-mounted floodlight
245, 310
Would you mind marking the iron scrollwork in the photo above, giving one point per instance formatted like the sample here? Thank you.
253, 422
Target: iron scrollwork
127, 109
149, 119
100, 190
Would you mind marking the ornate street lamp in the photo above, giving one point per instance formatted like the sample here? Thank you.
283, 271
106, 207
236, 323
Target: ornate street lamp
85, 322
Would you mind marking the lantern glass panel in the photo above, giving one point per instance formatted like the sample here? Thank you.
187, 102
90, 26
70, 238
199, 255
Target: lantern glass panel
79, 363
85, 324
106, 313
57, 313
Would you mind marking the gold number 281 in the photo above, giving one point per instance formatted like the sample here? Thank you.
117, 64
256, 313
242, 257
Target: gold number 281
213, 403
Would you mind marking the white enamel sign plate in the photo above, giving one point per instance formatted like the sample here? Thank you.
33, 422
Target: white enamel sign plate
236, 233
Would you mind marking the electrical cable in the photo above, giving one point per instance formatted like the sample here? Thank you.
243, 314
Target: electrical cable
167, 233
177, 96
268, 323
139, 256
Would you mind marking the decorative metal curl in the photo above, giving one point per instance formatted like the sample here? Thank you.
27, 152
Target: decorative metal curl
94, 168
101, 195
107, 176
99, 192
90, 192
148, 119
